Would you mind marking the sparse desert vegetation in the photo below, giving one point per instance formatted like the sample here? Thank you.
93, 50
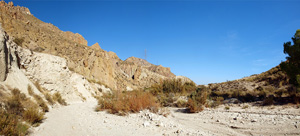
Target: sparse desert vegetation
122, 103
18, 108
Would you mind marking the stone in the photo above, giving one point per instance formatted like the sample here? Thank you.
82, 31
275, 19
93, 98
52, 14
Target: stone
11, 4
3, 56
254, 120
146, 124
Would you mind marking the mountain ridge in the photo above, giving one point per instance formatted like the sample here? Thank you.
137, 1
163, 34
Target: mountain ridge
92, 62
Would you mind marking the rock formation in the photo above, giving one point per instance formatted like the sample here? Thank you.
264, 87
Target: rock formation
3, 56
22, 67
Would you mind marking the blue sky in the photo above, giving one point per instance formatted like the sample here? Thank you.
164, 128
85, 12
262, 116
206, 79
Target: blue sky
207, 41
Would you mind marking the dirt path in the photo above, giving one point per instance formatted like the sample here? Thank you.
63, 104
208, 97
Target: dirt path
80, 119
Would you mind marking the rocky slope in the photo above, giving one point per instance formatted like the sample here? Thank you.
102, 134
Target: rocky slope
22, 67
94, 63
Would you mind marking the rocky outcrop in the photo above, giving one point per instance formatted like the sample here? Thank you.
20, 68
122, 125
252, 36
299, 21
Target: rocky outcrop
75, 37
96, 46
3, 56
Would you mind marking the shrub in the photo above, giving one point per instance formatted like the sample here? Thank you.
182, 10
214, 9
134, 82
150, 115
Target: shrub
122, 103
193, 106
268, 101
29, 104
14, 103
172, 86
33, 116
9, 125
181, 103
227, 107
57, 97
199, 96
218, 101
41, 103
196, 100
165, 99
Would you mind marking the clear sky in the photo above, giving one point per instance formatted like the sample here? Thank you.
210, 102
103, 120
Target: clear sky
207, 41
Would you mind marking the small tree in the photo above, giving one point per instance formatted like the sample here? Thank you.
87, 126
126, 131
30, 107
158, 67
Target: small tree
292, 65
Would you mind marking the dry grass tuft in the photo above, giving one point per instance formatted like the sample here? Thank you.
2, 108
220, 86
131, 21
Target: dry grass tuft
57, 97
30, 90
33, 115
41, 103
10, 126
13, 104
49, 98
39, 87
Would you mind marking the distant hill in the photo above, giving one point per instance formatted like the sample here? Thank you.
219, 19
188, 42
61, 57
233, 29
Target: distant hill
274, 77
272, 86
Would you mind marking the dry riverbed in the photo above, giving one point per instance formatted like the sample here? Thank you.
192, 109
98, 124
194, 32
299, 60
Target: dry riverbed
80, 119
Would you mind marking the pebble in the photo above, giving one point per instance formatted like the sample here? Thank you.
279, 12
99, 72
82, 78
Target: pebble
254, 120
146, 124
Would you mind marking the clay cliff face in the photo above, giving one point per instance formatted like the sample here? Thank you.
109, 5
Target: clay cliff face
94, 63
